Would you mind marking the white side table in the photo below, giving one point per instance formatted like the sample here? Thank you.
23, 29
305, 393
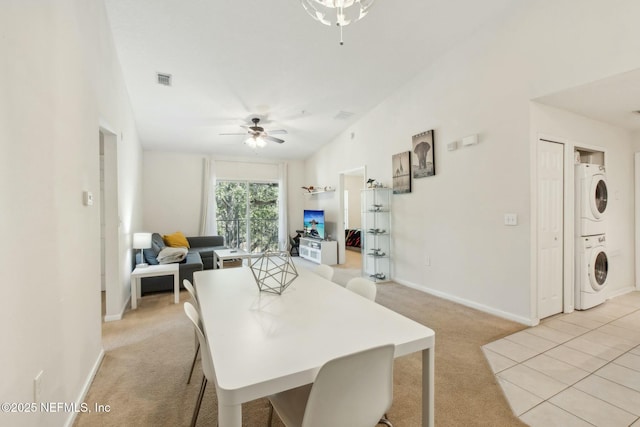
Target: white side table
154, 271
220, 255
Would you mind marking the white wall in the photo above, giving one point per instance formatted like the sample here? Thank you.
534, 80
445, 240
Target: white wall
636, 148
173, 189
172, 192
635, 136
59, 80
481, 86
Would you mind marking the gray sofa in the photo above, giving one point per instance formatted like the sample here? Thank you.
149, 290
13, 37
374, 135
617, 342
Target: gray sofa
199, 257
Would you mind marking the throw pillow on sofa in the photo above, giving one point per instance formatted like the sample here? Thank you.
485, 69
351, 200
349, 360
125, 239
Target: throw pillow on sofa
157, 244
176, 240
170, 255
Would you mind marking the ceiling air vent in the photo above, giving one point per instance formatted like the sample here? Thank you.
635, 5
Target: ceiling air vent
343, 115
164, 79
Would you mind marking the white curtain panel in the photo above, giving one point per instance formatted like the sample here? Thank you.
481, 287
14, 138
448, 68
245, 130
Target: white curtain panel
283, 228
208, 224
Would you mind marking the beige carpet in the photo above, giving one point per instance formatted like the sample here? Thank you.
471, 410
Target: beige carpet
148, 354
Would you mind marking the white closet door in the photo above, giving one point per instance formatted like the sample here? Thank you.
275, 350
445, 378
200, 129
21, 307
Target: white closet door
550, 228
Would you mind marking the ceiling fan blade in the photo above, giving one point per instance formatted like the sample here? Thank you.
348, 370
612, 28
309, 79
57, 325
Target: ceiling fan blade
271, 138
243, 133
278, 132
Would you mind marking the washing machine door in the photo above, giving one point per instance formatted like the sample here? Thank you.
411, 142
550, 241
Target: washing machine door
598, 196
598, 269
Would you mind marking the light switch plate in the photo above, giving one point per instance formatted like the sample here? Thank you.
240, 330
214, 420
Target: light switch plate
510, 219
87, 198
470, 140
37, 387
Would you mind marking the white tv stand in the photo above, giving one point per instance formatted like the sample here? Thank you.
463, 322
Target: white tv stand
319, 251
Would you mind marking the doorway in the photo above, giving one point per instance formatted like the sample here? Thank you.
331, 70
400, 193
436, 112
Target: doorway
109, 226
352, 182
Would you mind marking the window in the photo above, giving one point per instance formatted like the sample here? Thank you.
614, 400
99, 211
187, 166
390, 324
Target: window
247, 214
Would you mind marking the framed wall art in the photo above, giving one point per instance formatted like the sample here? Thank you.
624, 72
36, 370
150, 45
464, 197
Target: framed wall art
424, 159
401, 172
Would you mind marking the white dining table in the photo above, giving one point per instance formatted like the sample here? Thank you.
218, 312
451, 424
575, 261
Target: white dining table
263, 343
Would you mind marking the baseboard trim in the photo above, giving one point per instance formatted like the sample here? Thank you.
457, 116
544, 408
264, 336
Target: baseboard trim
622, 291
119, 316
468, 303
85, 388
112, 317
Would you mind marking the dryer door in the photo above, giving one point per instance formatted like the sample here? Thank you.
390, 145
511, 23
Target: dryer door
598, 196
598, 269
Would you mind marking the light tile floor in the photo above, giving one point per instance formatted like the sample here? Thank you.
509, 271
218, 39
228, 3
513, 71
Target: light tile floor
577, 369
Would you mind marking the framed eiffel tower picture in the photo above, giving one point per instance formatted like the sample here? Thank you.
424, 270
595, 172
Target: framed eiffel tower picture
401, 172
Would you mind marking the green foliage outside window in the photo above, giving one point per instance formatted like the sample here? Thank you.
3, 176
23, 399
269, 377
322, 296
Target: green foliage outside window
247, 215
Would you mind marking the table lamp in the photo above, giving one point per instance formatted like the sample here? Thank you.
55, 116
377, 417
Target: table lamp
142, 241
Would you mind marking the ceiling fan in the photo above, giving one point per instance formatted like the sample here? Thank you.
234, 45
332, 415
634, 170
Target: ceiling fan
258, 135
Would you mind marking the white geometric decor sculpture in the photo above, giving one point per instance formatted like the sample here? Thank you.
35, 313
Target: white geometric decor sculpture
274, 272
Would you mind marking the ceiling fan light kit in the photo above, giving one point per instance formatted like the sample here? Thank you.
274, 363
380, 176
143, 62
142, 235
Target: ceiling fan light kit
255, 142
258, 136
337, 12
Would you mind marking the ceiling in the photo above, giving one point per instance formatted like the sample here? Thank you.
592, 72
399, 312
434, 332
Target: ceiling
234, 60
612, 100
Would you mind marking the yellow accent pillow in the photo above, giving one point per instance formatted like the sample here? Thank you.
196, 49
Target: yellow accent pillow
176, 240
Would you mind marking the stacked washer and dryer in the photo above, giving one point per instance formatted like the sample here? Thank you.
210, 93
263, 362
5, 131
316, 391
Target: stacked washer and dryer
592, 265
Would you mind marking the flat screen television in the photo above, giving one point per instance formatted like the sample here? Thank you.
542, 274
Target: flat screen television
314, 224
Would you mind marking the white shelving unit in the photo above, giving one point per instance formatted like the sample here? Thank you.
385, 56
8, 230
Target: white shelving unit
319, 251
376, 234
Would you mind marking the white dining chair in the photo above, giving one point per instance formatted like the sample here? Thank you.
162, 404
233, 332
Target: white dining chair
367, 289
353, 390
325, 271
192, 292
207, 361
363, 287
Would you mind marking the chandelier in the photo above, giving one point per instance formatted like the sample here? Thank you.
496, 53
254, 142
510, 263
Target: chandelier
337, 12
